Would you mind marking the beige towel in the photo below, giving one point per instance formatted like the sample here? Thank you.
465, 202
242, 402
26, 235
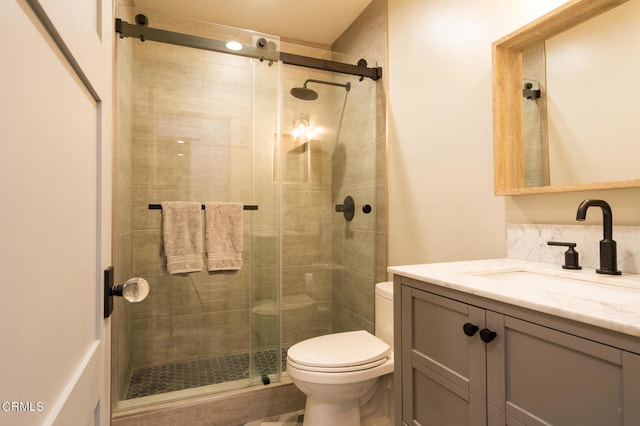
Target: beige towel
182, 236
224, 236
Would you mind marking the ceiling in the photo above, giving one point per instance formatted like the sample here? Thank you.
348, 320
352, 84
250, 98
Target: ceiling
317, 21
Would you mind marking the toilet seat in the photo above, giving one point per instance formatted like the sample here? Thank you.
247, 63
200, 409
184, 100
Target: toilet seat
291, 363
339, 352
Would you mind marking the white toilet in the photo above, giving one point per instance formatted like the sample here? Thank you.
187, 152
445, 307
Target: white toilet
342, 372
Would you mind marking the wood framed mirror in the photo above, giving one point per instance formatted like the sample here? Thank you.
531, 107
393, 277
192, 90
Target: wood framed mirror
541, 42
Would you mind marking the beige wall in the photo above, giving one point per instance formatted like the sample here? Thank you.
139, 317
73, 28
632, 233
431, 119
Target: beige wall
441, 202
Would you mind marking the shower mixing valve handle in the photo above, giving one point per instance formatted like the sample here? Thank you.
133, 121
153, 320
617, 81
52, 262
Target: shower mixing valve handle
347, 208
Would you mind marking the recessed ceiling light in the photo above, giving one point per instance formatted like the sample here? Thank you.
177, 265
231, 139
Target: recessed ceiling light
234, 45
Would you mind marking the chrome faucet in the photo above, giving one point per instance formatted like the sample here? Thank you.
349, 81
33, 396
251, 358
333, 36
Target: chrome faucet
608, 255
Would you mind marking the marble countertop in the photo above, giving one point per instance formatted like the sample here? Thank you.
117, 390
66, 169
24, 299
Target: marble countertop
610, 302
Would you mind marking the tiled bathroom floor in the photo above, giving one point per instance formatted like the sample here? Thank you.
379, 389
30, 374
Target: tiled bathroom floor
289, 419
191, 374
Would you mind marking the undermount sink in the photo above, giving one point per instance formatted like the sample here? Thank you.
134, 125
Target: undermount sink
599, 288
526, 277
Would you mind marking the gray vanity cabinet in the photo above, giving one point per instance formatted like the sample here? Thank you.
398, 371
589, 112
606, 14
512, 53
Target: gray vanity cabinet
443, 372
529, 374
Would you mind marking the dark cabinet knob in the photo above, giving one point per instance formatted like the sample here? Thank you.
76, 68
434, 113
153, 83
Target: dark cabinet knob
487, 335
470, 329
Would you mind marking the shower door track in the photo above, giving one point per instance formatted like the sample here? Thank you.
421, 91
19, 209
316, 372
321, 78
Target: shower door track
143, 32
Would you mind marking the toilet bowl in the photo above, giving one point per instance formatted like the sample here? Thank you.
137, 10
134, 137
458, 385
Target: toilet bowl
341, 372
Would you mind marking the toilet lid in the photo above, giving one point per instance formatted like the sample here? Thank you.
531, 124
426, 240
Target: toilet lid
346, 349
350, 368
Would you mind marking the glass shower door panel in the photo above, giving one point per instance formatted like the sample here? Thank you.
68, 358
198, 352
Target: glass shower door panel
265, 257
328, 153
354, 175
194, 126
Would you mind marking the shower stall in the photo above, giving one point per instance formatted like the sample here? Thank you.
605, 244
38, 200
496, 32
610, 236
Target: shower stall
292, 143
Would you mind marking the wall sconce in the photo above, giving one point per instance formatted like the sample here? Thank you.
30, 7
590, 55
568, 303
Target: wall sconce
134, 290
300, 131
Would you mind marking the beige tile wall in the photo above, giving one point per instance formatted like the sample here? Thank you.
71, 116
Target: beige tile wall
206, 100
534, 123
361, 246
306, 209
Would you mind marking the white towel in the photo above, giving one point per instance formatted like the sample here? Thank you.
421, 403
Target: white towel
224, 236
182, 236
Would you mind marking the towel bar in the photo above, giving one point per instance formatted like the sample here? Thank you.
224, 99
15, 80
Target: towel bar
159, 207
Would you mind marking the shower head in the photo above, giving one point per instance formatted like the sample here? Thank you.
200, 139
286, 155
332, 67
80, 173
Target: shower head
307, 94
304, 93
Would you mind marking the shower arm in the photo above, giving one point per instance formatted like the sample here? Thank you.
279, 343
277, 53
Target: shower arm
347, 86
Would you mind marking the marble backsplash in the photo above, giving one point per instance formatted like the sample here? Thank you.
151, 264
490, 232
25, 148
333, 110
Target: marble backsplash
529, 242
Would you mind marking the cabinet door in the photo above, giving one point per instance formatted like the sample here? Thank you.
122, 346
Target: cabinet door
444, 376
540, 376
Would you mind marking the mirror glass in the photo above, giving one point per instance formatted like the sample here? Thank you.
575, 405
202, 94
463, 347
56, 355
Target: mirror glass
580, 132
593, 105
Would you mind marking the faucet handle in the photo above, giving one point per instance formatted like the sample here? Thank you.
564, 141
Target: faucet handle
570, 256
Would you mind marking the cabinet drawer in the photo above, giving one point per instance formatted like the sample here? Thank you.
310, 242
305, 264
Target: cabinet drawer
432, 331
431, 399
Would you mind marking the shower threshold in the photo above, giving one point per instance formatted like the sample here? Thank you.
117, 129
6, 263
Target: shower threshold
178, 376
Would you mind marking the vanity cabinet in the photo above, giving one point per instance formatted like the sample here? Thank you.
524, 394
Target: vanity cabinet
526, 373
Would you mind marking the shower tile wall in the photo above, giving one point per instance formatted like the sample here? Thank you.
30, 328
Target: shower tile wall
306, 210
333, 263
534, 120
360, 248
185, 312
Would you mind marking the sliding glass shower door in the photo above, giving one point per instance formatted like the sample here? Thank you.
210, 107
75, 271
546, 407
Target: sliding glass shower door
198, 126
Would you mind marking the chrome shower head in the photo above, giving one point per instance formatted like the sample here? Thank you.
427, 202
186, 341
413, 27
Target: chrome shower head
307, 94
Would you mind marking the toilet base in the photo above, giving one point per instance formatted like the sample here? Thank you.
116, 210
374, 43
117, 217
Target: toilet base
321, 413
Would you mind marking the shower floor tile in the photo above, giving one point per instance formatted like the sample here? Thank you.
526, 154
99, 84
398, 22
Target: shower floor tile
191, 374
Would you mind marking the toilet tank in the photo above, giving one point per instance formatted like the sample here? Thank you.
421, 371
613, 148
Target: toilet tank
384, 312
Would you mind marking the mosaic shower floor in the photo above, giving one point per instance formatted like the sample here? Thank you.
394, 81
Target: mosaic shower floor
191, 374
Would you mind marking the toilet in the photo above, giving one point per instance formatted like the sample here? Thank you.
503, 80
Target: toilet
347, 376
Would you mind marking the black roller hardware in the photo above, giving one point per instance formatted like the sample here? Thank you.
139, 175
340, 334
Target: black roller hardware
470, 329
487, 335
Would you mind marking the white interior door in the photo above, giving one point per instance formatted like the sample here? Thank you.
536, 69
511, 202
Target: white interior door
55, 154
